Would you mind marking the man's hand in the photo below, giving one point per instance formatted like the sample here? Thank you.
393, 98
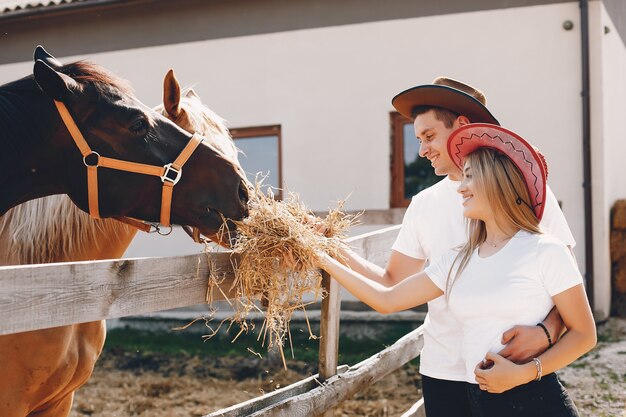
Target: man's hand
523, 343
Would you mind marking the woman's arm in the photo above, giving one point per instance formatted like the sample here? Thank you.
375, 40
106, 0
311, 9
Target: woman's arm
581, 330
399, 267
580, 338
413, 291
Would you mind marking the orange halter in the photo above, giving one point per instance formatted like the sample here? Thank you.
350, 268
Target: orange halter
170, 173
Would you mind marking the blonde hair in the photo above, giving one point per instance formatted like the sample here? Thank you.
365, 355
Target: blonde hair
499, 180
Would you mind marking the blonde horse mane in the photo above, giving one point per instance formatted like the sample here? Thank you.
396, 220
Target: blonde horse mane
52, 228
205, 122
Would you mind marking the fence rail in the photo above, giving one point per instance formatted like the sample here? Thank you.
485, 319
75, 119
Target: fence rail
36, 297
43, 296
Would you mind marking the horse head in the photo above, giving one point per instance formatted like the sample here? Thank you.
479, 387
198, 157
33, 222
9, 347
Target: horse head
116, 126
186, 109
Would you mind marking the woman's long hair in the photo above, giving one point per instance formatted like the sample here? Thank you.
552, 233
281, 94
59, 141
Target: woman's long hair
498, 179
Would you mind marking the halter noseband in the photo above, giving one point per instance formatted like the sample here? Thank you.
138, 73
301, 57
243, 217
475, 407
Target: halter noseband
170, 173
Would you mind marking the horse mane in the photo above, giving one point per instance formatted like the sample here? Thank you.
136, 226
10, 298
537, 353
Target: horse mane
50, 229
88, 73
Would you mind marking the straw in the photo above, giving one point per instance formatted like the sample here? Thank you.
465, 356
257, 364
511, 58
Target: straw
278, 257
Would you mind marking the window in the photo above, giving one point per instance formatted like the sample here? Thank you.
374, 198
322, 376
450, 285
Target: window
410, 174
261, 149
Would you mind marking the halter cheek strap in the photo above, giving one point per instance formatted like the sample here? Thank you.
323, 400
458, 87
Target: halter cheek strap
170, 173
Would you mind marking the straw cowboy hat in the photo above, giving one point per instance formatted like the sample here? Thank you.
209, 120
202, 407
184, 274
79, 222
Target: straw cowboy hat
448, 94
531, 163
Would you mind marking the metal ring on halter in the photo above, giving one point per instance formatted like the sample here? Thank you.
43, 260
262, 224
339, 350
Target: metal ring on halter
87, 156
158, 227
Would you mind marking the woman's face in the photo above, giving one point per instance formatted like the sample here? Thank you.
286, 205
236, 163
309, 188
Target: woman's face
475, 205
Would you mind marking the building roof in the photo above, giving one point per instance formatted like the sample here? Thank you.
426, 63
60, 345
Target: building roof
11, 6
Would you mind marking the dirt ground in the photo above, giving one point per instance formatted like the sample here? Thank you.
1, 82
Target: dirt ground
123, 386
597, 381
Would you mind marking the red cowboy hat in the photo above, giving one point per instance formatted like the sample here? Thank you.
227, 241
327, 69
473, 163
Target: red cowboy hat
446, 93
526, 158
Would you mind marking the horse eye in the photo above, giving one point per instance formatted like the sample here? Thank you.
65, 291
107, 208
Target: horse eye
139, 126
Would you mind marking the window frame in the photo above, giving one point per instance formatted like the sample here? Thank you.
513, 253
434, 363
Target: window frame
243, 133
397, 122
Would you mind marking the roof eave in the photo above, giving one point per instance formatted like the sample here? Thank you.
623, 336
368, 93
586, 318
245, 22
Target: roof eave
65, 8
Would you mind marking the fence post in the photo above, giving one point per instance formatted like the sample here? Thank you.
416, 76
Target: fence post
329, 331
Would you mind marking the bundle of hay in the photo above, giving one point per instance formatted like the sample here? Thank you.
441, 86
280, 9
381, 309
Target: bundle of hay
278, 252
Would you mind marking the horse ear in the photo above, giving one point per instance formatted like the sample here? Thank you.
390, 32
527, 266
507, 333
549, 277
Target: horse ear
53, 83
42, 54
171, 94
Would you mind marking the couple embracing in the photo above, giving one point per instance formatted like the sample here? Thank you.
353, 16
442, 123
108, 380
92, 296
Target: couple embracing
490, 251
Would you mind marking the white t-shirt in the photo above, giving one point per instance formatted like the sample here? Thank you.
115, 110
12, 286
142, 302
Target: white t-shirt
432, 225
513, 286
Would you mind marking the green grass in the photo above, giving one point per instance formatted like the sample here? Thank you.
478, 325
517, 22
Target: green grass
186, 342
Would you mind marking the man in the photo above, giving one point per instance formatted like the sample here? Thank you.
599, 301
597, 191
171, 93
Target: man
434, 223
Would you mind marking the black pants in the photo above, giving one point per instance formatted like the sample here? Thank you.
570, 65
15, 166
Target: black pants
445, 398
545, 398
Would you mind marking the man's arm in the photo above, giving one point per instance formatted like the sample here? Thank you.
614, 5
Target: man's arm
526, 342
398, 267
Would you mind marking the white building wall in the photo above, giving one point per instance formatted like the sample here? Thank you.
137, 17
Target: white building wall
608, 147
330, 90
614, 88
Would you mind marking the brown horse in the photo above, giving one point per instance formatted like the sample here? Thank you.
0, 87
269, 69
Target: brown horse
42, 369
77, 129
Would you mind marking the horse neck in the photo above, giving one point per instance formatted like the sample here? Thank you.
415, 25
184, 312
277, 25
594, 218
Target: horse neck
31, 166
53, 229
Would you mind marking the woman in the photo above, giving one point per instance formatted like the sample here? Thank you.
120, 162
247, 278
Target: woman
507, 273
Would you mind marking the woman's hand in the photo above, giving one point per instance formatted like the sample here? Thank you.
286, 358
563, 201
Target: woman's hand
495, 374
324, 260
317, 225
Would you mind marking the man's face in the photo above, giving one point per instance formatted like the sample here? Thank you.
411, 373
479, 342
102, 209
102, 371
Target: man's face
433, 135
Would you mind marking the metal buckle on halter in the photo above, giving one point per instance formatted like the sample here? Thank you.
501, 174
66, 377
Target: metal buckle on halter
166, 175
89, 155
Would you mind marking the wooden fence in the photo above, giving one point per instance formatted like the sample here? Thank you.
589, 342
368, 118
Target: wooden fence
43, 296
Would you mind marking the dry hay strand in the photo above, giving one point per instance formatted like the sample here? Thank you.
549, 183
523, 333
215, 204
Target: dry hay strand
278, 252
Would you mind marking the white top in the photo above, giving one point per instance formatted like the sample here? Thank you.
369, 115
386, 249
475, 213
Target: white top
432, 225
513, 286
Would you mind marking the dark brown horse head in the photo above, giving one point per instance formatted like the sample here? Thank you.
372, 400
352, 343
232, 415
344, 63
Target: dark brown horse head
44, 159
